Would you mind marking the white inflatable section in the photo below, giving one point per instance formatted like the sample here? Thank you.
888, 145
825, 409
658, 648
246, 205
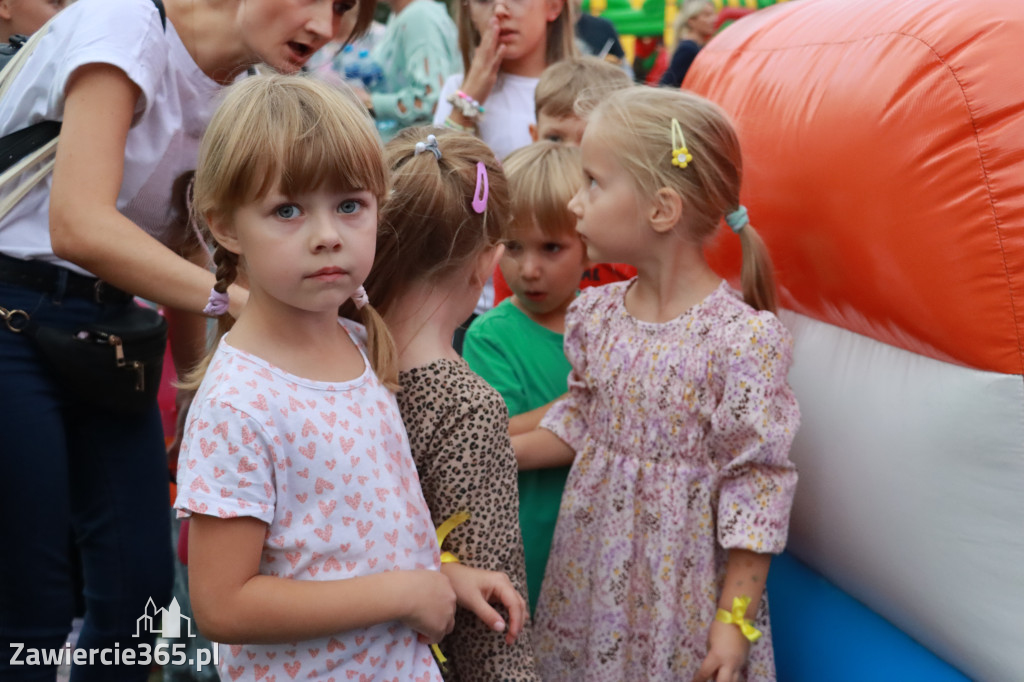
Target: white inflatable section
911, 493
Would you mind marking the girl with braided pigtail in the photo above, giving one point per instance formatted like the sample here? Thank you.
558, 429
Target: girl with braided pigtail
311, 550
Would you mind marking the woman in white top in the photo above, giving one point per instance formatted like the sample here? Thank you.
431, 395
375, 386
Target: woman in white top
134, 90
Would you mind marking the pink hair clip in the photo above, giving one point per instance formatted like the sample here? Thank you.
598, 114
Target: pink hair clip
482, 188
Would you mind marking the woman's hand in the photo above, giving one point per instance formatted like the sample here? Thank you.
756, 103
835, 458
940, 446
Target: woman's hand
483, 71
727, 654
476, 589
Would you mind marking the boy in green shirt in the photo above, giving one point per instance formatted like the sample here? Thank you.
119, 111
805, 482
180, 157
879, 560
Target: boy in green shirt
517, 346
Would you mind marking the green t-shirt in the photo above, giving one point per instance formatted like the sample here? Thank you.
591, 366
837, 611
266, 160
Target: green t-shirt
526, 364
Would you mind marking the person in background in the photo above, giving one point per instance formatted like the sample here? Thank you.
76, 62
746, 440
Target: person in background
559, 87
694, 27
409, 63
25, 17
598, 37
134, 94
517, 346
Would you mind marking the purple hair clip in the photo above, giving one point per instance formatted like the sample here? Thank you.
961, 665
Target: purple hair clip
360, 298
482, 188
218, 303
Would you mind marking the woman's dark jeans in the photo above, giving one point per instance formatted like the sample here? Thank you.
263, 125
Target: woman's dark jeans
69, 470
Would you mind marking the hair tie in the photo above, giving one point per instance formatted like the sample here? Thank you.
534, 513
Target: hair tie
681, 156
737, 220
430, 144
359, 297
217, 304
482, 188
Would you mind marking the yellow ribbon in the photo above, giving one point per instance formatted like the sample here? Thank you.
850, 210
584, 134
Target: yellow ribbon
738, 618
447, 558
447, 527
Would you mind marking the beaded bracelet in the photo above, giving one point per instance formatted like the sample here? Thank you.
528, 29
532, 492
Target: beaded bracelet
466, 105
449, 123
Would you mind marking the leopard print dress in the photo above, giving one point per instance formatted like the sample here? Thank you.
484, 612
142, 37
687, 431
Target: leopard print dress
458, 433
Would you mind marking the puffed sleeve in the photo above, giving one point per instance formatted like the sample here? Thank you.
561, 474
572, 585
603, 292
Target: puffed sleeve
752, 430
568, 418
226, 466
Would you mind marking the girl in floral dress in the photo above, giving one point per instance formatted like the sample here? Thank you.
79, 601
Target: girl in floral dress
678, 420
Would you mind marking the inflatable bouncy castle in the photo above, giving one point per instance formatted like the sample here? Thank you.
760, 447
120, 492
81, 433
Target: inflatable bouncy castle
884, 151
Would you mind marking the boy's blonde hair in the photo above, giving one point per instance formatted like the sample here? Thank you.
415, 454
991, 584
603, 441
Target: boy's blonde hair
641, 118
542, 178
561, 34
290, 134
428, 227
564, 81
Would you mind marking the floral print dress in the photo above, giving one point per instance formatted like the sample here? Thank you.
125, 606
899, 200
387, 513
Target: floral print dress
682, 432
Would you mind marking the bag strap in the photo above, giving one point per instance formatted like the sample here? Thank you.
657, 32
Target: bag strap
36, 144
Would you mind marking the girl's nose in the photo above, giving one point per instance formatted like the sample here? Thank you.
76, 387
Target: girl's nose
325, 235
501, 8
529, 267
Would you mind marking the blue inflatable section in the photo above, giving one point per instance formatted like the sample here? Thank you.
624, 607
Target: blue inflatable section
822, 633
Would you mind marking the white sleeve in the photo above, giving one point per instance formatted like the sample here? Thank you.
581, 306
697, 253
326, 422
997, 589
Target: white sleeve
127, 34
444, 109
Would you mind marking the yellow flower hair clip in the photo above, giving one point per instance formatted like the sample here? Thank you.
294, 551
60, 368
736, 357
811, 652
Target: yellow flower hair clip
681, 156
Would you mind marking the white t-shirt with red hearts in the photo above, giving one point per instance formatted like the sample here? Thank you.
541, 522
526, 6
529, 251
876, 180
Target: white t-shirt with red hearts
327, 467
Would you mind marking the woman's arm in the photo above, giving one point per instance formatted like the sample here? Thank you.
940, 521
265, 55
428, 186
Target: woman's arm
235, 604
745, 576
541, 449
85, 226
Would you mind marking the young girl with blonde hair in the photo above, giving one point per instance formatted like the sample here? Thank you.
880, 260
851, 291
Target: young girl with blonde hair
439, 239
311, 551
505, 45
678, 419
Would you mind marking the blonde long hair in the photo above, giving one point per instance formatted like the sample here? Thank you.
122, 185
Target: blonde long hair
709, 185
294, 134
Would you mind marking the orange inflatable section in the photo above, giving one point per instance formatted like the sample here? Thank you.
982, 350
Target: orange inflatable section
884, 166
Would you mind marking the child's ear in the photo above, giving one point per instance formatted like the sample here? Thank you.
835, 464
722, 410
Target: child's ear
486, 264
666, 210
533, 132
223, 231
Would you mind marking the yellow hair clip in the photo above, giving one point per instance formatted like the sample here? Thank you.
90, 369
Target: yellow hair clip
681, 156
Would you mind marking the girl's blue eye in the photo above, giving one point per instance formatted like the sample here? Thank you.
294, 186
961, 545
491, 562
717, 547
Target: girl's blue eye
287, 211
349, 206
552, 248
340, 8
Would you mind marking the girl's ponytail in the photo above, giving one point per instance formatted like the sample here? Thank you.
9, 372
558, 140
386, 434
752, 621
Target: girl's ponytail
757, 275
379, 343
